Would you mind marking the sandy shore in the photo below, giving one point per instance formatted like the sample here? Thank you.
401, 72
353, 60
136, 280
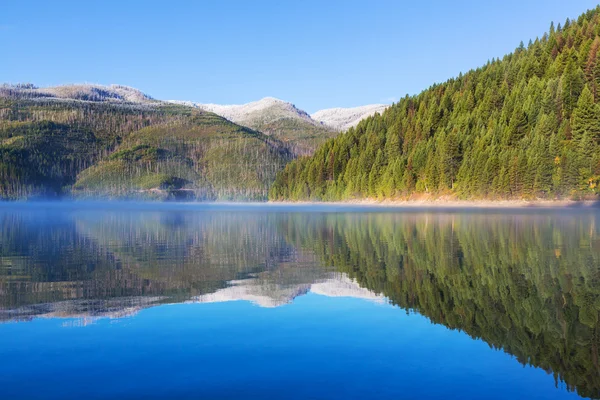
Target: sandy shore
449, 203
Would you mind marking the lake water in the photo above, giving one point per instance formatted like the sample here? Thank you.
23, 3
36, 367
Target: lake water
156, 301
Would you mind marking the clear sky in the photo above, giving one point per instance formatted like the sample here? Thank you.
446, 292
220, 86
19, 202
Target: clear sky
316, 54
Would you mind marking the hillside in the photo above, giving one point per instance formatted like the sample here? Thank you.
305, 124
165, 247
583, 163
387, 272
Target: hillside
205, 158
524, 126
342, 119
113, 141
276, 118
84, 92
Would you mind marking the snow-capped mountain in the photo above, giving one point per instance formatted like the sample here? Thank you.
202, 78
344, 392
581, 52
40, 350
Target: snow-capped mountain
270, 109
269, 115
264, 111
300, 132
288, 123
274, 117
84, 92
342, 119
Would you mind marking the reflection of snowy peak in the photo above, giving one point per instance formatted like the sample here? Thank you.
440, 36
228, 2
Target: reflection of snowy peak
342, 119
270, 294
259, 292
342, 286
85, 309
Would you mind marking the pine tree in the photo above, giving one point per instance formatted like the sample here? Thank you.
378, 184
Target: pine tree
586, 117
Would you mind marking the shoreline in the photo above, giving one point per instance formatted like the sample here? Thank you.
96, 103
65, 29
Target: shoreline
446, 203
430, 203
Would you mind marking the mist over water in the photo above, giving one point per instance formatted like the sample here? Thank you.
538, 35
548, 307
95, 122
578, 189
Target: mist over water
139, 300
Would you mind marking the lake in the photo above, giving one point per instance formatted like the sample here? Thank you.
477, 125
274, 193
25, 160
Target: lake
156, 301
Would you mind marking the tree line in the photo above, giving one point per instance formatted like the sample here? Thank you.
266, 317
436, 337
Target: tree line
524, 126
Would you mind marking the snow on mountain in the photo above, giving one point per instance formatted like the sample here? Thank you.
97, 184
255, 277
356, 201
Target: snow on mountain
257, 113
270, 109
85, 92
344, 118
261, 114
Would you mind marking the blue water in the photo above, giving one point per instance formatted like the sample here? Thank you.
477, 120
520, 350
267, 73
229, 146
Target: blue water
172, 303
317, 348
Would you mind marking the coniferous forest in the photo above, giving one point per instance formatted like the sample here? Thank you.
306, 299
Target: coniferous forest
522, 127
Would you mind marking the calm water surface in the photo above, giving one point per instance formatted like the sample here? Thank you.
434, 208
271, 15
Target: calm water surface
130, 301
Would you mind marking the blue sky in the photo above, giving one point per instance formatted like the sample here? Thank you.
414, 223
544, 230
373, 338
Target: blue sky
316, 54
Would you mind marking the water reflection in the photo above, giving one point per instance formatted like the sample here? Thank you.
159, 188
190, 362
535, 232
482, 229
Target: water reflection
528, 283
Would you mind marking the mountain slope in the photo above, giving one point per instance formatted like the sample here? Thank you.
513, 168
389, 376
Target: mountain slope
117, 142
275, 118
85, 92
342, 119
205, 158
525, 126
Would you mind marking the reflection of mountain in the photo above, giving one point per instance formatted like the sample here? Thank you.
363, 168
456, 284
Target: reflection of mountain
528, 283
267, 293
342, 286
86, 309
102, 264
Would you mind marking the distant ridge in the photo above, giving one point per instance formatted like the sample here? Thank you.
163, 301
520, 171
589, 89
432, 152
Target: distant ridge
342, 119
263, 111
85, 92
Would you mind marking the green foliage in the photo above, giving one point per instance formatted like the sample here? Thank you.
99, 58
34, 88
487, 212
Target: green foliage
43, 158
522, 127
204, 158
302, 138
84, 149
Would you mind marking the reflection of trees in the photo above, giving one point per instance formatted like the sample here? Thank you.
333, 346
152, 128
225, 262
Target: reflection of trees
107, 255
529, 284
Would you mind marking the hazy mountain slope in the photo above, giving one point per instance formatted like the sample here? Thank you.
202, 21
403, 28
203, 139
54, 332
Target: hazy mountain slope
276, 118
206, 157
46, 141
526, 126
86, 92
342, 119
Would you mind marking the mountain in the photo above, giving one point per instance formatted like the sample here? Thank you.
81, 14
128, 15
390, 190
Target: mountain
342, 119
524, 126
276, 118
84, 92
116, 142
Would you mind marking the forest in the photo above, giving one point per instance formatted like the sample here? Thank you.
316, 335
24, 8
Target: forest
525, 126
92, 148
